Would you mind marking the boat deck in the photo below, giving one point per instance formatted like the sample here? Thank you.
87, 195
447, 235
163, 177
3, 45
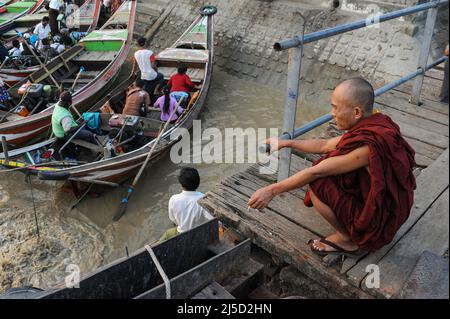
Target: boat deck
285, 227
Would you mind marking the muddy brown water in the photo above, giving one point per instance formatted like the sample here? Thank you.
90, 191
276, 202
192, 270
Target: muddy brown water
86, 236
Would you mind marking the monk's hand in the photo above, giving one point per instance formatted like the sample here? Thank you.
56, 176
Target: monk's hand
261, 198
275, 144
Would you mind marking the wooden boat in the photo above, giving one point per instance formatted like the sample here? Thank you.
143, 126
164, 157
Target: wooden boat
4, 3
101, 54
195, 49
16, 9
191, 261
19, 68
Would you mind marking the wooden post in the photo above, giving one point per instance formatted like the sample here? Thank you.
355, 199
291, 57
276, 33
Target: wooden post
424, 53
290, 108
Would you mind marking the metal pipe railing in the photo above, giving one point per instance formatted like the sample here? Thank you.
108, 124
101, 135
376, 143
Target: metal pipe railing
315, 36
327, 117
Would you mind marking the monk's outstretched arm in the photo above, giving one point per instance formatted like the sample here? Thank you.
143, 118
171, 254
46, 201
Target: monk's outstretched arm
318, 146
330, 167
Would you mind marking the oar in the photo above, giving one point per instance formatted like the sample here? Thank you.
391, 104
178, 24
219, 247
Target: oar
124, 204
82, 69
41, 64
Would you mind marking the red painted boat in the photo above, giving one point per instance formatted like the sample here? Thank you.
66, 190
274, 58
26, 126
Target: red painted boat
195, 49
99, 56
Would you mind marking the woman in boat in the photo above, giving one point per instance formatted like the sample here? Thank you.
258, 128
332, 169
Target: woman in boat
181, 85
167, 104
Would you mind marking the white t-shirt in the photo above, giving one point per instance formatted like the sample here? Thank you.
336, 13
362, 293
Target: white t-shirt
186, 212
41, 31
143, 59
15, 52
55, 4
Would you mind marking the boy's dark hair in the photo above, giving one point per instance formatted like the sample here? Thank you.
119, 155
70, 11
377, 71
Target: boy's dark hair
189, 179
142, 42
182, 69
45, 19
140, 83
16, 43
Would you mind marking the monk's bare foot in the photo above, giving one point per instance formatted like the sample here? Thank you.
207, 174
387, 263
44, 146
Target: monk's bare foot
335, 239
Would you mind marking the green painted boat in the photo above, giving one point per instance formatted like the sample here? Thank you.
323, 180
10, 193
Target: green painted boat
10, 12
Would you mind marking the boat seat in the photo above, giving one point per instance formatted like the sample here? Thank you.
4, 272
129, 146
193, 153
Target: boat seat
93, 147
196, 75
94, 56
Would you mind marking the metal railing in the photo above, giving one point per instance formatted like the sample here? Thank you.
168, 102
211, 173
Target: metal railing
295, 47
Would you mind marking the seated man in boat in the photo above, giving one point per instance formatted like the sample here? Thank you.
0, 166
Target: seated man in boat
137, 97
47, 50
42, 29
17, 49
184, 211
167, 104
181, 85
145, 60
64, 125
364, 186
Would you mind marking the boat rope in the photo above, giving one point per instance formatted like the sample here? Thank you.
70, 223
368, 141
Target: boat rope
34, 205
161, 271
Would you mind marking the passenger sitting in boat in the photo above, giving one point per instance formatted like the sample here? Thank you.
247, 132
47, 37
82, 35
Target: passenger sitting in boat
364, 186
17, 49
181, 85
167, 104
137, 97
145, 60
4, 95
184, 211
3, 52
47, 50
74, 36
42, 29
64, 125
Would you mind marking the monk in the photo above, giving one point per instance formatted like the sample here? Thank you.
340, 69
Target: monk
364, 186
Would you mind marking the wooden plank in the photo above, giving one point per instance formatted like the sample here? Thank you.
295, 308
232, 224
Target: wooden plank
402, 117
427, 104
424, 149
431, 233
215, 269
435, 74
430, 184
423, 135
287, 205
276, 235
392, 100
214, 291
425, 95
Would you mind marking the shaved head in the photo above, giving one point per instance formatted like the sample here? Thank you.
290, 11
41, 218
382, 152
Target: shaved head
358, 93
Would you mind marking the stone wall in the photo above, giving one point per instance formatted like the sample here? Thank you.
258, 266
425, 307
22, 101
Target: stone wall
245, 31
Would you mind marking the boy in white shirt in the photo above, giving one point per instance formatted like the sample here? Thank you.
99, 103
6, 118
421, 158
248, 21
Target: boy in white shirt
184, 211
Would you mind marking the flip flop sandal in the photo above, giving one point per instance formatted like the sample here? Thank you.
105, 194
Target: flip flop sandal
339, 250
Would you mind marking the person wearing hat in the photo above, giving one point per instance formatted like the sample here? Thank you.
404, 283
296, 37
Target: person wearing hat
63, 123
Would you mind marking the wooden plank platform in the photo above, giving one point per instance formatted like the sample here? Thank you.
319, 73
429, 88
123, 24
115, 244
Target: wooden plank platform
284, 228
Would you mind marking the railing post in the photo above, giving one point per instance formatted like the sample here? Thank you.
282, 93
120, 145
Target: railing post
290, 107
424, 53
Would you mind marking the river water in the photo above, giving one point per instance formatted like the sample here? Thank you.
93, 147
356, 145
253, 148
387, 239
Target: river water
86, 235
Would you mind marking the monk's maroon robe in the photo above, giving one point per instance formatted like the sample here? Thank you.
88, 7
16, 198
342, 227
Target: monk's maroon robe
371, 206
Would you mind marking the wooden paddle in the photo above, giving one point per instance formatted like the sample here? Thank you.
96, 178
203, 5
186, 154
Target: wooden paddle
82, 69
124, 204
